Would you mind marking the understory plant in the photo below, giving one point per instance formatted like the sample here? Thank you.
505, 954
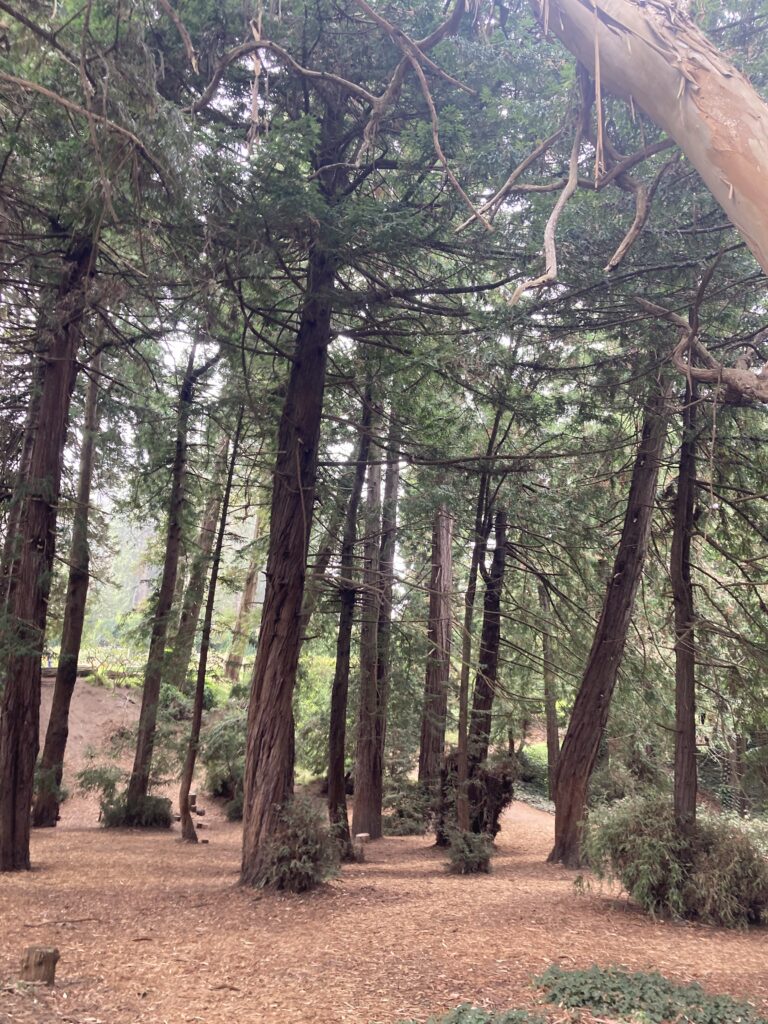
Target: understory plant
302, 853
640, 996
467, 1014
469, 853
410, 808
714, 872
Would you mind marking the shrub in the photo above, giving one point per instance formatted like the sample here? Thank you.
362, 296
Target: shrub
469, 853
100, 778
532, 768
223, 754
650, 997
411, 809
175, 704
466, 1014
234, 808
717, 873
148, 812
302, 853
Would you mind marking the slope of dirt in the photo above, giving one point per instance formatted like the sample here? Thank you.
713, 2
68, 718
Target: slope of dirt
152, 931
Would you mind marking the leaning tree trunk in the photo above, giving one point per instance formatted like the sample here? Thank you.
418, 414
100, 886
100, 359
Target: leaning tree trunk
366, 816
590, 711
269, 747
30, 576
177, 662
685, 645
488, 656
550, 690
240, 633
435, 710
138, 784
653, 55
188, 831
45, 812
337, 732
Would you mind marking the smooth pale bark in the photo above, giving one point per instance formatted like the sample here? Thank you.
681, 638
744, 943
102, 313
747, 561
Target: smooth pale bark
366, 816
435, 710
593, 700
45, 812
240, 633
30, 575
138, 784
654, 55
188, 830
550, 690
269, 746
177, 662
337, 732
685, 784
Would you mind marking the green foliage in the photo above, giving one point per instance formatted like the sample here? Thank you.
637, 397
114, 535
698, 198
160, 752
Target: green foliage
410, 806
532, 768
302, 853
650, 998
148, 812
717, 874
469, 853
467, 1014
175, 704
223, 754
45, 782
102, 779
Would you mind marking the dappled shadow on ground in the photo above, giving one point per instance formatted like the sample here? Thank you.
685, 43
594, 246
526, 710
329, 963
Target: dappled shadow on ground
152, 930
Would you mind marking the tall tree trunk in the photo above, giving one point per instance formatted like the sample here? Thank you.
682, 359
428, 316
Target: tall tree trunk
240, 634
655, 56
550, 690
685, 645
30, 581
269, 749
138, 784
188, 831
337, 733
438, 669
482, 529
177, 662
488, 657
590, 711
366, 816
45, 811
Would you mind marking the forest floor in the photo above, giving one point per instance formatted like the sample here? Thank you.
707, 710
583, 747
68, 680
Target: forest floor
153, 931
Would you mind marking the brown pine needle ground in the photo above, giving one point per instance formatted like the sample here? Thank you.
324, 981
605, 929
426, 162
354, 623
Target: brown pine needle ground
154, 931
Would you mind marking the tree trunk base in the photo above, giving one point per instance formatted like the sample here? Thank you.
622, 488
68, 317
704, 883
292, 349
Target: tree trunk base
39, 964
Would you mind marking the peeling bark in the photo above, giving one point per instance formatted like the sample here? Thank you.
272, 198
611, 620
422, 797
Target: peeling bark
654, 55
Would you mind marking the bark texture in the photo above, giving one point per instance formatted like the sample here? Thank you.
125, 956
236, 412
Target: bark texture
188, 830
590, 710
550, 690
234, 665
488, 657
433, 719
138, 784
366, 816
655, 55
685, 644
30, 576
337, 735
45, 812
269, 747
177, 664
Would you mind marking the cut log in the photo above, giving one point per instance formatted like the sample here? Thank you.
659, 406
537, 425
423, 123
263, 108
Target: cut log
363, 837
358, 850
39, 964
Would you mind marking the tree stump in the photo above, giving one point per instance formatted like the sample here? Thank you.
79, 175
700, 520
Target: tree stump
39, 964
358, 851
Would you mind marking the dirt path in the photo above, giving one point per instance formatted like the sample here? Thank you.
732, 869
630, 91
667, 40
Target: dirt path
153, 931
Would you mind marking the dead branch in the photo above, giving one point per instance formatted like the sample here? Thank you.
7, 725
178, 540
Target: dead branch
181, 28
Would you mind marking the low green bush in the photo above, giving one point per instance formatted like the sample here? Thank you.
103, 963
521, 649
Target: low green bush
467, 1014
175, 704
148, 812
234, 808
302, 853
717, 873
223, 754
410, 809
532, 768
469, 853
651, 998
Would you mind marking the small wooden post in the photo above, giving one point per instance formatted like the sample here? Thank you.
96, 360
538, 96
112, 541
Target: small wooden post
39, 964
